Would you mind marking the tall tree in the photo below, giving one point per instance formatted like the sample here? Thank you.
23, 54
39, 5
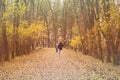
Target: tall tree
15, 30
5, 50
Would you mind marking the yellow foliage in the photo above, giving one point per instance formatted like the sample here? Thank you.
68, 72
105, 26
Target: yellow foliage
75, 30
34, 31
9, 28
75, 42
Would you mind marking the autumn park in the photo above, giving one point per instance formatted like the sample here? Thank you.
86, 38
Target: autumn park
59, 39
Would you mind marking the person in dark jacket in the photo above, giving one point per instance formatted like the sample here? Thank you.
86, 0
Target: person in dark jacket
60, 47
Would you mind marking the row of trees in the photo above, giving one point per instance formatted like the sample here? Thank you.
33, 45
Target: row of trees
100, 36
21, 29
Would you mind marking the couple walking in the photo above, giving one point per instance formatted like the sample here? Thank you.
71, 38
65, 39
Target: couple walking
59, 46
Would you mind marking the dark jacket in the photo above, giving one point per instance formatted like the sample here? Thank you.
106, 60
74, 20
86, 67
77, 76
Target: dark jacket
60, 46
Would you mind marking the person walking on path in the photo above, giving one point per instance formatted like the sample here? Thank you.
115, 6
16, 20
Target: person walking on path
60, 47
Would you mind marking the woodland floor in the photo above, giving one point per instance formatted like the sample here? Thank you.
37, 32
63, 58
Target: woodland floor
46, 64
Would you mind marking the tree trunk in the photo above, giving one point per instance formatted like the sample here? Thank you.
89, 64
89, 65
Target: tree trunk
108, 56
4, 35
15, 31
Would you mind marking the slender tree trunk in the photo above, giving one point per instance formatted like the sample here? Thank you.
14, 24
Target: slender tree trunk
5, 43
4, 35
108, 59
15, 31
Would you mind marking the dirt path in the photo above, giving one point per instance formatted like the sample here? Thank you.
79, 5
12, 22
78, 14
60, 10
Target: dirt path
46, 64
